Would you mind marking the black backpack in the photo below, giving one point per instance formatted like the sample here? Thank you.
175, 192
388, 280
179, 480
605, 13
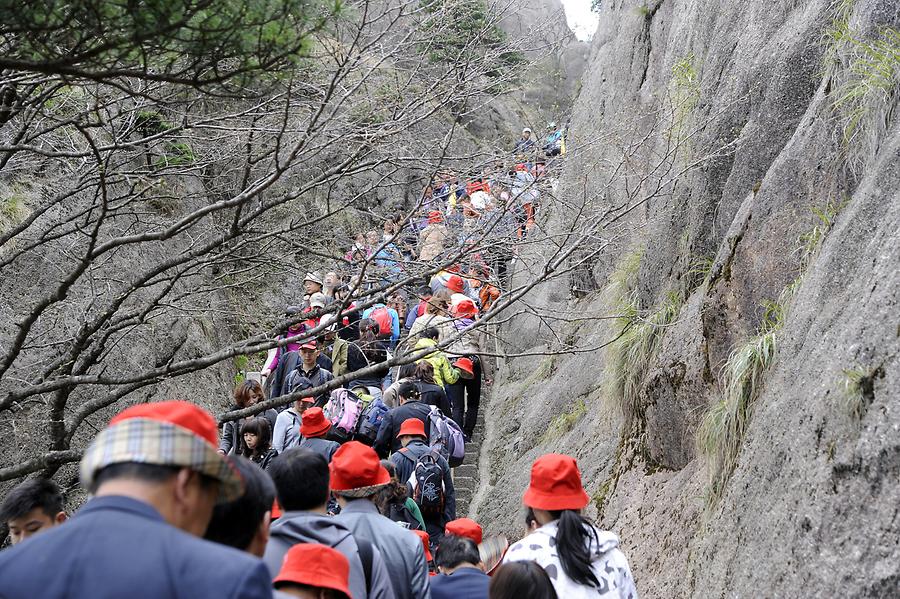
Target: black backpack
427, 482
403, 516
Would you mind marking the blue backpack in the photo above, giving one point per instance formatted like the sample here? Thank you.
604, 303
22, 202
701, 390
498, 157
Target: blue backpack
370, 421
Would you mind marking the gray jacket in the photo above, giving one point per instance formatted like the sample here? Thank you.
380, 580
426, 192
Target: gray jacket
309, 527
321, 446
402, 550
287, 430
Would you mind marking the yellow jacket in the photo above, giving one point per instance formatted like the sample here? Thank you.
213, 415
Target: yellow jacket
444, 372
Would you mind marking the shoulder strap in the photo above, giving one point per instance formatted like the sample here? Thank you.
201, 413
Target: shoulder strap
366, 556
405, 453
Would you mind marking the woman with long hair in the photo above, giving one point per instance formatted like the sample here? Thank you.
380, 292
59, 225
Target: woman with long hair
257, 436
394, 502
521, 580
431, 393
246, 394
581, 560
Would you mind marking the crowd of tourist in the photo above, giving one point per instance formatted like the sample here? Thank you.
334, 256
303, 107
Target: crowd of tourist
343, 493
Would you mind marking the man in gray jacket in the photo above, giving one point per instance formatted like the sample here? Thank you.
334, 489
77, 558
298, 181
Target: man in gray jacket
301, 482
356, 476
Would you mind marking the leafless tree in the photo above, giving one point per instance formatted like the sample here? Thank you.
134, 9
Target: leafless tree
155, 218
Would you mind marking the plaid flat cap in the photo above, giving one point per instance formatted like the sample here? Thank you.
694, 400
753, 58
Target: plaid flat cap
173, 433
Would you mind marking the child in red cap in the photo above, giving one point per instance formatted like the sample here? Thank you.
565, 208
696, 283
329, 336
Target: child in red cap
556, 497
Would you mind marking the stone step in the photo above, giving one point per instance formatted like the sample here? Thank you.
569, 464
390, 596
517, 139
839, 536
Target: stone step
466, 470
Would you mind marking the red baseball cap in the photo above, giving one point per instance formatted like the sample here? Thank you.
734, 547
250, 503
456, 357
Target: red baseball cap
356, 470
455, 284
555, 484
465, 527
310, 344
314, 423
426, 540
412, 426
315, 565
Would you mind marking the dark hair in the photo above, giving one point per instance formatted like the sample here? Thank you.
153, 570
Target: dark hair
148, 473
425, 372
530, 518
260, 427
242, 392
393, 493
574, 538
236, 522
327, 593
430, 333
40, 493
408, 390
301, 479
455, 550
407, 371
521, 580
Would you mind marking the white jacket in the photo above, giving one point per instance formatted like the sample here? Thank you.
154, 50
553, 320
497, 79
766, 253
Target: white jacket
610, 566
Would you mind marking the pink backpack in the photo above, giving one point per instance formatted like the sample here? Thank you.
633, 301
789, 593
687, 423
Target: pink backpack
343, 410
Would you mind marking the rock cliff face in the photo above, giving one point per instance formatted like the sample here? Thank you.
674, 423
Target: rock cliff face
736, 425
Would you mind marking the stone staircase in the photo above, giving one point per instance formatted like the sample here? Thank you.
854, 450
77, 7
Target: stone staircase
465, 477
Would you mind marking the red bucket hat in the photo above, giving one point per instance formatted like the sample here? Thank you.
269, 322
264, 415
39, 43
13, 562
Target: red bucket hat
464, 308
412, 426
314, 423
555, 484
455, 284
466, 368
166, 433
465, 527
356, 470
317, 566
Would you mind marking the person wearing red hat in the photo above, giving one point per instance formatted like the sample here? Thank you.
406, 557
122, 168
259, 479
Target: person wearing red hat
426, 546
465, 527
356, 476
313, 571
425, 468
313, 430
461, 570
309, 368
301, 481
433, 237
580, 559
155, 475
467, 354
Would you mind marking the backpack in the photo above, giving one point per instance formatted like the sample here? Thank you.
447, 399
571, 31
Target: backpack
370, 420
446, 437
427, 481
383, 318
403, 517
342, 409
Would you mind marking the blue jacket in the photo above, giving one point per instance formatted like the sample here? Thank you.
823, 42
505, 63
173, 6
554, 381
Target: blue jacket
465, 582
117, 547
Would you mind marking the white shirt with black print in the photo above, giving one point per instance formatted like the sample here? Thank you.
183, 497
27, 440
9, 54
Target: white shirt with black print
609, 564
